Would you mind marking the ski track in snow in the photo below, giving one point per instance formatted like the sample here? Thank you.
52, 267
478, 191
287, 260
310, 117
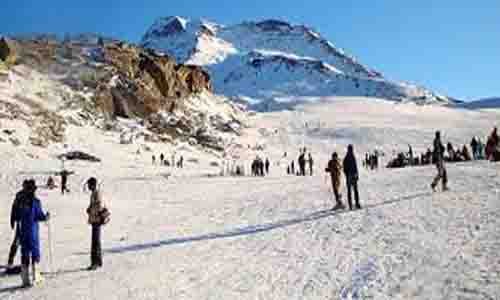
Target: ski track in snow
194, 237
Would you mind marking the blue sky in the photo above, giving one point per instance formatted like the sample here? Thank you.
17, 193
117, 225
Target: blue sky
450, 46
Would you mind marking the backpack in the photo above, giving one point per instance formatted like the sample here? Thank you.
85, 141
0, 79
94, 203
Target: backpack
105, 216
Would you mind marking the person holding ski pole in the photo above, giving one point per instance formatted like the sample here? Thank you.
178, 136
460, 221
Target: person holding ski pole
14, 224
29, 213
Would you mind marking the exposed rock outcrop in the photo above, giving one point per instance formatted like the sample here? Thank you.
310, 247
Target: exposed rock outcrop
7, 51
144, 82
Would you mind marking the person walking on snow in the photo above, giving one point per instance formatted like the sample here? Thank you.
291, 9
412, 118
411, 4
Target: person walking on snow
439, 162
267, 164
95, 214
29, 213
352, 176
335, 169
14, 224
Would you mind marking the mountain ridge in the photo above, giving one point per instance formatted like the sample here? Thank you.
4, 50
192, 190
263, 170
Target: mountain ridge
293, 56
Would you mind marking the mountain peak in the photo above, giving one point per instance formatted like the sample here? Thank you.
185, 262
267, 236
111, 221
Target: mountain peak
263, 59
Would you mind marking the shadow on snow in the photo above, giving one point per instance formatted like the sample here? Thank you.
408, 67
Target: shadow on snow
252, 229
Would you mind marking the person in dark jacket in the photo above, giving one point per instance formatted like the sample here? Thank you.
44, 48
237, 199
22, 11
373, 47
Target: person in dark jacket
29, 213
64, 181
292, 167
310, 161
14, 224
352, 176
335, 169
438, 159
302, 164
267, 164
474, 146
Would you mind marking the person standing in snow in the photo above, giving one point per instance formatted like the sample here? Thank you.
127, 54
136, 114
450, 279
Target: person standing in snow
335, 169
310, 160
292, 167
153, 159
162, 158
473, 145
302, 164
29, 213
64, 181
95, 214
438, 158
14, 224
352, 176
267, 164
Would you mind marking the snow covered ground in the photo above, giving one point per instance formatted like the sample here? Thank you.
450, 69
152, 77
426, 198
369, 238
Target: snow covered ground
194, 236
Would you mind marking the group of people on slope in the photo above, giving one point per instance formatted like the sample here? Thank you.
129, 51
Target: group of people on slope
27, 213
350, 170
165, 162
260, 167
301, 161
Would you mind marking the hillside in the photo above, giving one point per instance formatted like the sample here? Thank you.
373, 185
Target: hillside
52, 86
265, 63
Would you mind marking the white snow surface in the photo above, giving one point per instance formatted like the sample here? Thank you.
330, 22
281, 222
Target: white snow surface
268, 59
194, 236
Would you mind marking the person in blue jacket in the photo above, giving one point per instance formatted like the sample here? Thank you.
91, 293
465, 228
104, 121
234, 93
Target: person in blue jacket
29, 214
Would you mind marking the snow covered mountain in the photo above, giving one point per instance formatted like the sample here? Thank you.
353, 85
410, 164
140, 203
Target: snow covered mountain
264, 63
488, 103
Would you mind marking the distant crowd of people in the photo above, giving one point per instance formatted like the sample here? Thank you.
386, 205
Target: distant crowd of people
260, 167
478, 151
302, 163
172, 162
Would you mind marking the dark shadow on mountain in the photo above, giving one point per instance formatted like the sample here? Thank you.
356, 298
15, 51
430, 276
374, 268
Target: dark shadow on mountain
490, 103
252, 229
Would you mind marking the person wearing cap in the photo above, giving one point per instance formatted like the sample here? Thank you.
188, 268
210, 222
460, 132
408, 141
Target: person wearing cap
352, 176
29, 213
14, 224
95, 220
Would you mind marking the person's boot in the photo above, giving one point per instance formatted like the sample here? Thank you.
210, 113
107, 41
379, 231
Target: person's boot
433, 187
25, 276
37, 276
445, 188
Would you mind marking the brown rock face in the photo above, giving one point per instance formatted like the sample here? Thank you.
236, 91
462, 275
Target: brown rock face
7, 51
144, 83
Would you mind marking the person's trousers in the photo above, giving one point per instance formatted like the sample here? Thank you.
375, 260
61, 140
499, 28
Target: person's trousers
441, 175
96, 251
352, 185
14, 246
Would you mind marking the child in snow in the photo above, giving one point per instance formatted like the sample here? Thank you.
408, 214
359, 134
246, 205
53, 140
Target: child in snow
29, 213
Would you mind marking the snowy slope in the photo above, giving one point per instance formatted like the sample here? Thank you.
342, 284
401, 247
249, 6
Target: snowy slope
263, 61
199, 237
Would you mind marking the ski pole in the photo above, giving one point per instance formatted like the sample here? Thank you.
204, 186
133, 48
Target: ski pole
51, 266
